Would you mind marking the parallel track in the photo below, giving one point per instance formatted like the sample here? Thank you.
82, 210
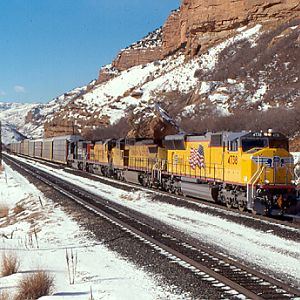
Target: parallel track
202, 261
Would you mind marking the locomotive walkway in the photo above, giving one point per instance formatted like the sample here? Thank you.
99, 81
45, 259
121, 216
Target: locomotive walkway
200, 260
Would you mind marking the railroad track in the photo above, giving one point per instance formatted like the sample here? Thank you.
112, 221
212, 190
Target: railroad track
200, 260
279, 220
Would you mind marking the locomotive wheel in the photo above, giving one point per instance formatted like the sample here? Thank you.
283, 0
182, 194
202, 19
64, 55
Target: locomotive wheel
241, 206
254, 212
228, 203
144, 181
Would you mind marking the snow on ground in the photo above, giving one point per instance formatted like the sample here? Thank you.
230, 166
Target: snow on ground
98, 269
277, 254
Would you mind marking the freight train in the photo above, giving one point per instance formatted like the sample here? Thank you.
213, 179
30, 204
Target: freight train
246, 170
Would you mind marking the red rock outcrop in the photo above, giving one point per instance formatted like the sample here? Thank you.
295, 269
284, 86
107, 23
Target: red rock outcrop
205, 22
171, 34
200, 24
134, 57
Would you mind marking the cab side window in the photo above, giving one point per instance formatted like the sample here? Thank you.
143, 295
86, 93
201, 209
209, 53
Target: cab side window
233, 146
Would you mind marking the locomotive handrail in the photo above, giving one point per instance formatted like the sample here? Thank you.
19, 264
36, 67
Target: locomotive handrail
297, 173
262, 169
249, 183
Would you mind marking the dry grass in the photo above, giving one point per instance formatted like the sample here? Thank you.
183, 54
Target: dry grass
10, 264
18, 209
4, 295
4, 210
34, 286
127, 197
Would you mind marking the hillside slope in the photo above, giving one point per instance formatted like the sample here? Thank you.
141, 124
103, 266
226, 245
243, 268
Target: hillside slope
244, 72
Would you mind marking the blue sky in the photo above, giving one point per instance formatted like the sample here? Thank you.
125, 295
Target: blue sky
48, 47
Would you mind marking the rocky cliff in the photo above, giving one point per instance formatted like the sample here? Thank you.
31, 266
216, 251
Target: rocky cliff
200, 24
205, 22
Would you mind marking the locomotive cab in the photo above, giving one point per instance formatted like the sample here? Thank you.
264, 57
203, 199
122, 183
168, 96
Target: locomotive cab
267, 171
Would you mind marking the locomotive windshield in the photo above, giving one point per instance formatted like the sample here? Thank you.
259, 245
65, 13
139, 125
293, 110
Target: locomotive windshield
279, 143
259, 143
250, 143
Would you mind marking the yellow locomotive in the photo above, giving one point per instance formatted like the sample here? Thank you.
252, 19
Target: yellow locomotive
252, 170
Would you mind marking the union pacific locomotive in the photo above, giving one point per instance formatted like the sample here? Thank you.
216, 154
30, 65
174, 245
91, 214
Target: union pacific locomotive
247, 170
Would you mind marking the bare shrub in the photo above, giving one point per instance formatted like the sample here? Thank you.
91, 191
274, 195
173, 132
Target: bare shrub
286, 121
4, 210
117, 130
4, 295
34, 286
10, 264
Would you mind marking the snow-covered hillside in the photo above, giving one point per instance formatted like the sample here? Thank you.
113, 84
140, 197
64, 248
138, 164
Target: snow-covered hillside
140, 87
191, 86
27, 120
12, 116
15, 113
10, 133
241, 73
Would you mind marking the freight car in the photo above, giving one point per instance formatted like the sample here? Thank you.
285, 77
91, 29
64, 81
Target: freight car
247, 170
38, 147
57, 149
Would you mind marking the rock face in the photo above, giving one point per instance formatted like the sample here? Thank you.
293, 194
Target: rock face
200, 24
171, 34
205, 22
142, 52
133, 57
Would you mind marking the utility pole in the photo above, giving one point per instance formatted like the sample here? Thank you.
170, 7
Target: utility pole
0, 144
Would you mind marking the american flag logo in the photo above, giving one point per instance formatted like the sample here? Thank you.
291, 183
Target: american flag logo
197, 157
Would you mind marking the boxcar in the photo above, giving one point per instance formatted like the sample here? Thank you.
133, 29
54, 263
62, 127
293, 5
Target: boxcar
31, 148
47, 151
62, 147
38, 148
18, 147
26, 147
